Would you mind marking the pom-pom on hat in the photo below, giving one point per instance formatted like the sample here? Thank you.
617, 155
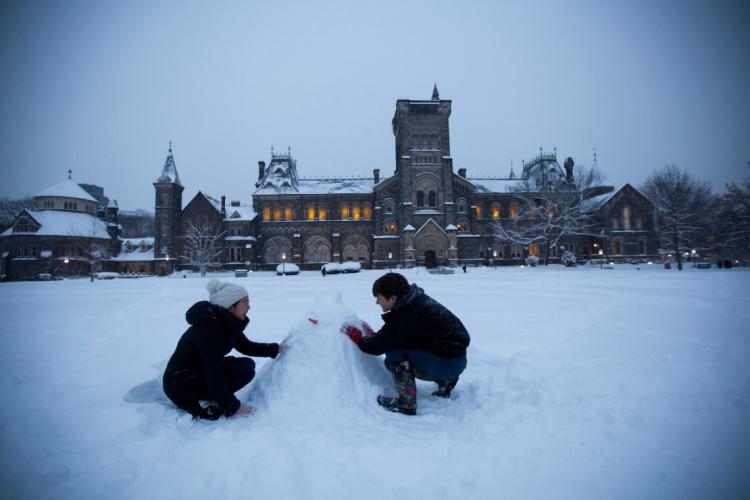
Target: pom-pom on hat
224, 294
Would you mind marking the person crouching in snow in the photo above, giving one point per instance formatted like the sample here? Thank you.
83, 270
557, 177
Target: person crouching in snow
420, 338
199, 369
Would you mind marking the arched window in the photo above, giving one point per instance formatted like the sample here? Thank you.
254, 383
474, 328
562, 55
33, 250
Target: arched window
266, 213
432, 199
311, 212
276, 213
461, 206
355, 212
389, 227
344, 211
495, 210
366, 212
288, 213
322, 212
388, 206
514, 209
643, 246
534, 249
420, 198
626, 217
617, 247
478, 211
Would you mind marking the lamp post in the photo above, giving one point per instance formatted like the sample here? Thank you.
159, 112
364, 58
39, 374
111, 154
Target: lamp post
283, 264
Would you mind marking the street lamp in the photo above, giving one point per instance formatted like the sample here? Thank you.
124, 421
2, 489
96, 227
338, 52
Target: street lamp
283, 264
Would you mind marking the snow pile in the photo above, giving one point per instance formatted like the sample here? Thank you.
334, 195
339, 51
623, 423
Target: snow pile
322, 371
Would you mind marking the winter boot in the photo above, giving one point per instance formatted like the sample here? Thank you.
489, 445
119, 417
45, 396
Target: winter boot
406, 401
445, 387
209, 410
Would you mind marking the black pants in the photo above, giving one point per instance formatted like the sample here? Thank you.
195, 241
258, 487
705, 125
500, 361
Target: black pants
186, 388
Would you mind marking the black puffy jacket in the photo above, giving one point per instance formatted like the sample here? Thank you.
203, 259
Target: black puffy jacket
213, 333
419, 322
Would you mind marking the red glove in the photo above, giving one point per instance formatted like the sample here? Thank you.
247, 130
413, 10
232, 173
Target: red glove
352, 332
368, 330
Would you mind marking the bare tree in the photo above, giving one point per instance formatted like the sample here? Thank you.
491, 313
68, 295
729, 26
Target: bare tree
732, 219
682, 207
202, 244
92, 245
548, 212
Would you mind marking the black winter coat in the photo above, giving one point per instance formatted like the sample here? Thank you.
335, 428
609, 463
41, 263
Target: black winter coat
419, 322
213, 333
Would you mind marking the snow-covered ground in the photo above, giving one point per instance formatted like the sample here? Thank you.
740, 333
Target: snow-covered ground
582, 384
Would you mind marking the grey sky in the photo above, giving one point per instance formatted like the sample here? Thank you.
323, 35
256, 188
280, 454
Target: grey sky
101, 87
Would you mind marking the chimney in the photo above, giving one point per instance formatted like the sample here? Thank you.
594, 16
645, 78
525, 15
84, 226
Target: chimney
462, 172
261, 169
223, 204
376, 174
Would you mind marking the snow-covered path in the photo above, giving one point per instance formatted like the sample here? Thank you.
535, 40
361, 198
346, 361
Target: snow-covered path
581, 383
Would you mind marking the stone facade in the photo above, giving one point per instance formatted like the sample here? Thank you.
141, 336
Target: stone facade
425, 214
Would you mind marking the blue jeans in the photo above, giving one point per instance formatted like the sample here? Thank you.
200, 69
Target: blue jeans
430, 366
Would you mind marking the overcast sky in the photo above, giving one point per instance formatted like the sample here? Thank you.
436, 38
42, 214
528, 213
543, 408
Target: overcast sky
101, 87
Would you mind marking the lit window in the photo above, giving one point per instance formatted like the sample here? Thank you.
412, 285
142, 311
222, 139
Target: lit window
277, 213
266, 213
345, 212
495, 211
310, 212
479, 211
534, 249
355, 212
390, 227
288, 213
514, 209
366, 212
322, 212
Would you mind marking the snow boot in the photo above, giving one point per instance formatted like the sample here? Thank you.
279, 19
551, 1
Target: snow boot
406, 401
445, 387
209, 410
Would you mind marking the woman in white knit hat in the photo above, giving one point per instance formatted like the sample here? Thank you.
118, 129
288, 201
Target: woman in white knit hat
200, 370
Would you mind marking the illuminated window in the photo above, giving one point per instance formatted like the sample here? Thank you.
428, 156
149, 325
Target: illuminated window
311, 212
266, 213
288, 213
478, 211
277, 213
345, 211
390, 227
514, 209
534, 249
495, 211
355, 212
322, 212
366, 214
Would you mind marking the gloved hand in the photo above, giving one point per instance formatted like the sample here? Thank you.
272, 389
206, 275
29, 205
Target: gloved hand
368, 331
352, 332
244, 410
283, 345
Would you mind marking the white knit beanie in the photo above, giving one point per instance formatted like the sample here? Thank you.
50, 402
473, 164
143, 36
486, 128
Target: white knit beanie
224, 294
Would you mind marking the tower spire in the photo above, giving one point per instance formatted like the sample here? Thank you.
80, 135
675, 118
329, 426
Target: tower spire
435, 94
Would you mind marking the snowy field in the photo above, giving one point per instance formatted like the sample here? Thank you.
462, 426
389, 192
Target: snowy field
582, 384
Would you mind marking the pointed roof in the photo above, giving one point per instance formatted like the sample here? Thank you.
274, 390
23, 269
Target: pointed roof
67, 189
280, 176
169, 171
435, 94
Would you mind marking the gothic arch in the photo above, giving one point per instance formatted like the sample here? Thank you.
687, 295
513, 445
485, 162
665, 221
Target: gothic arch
428, 184
274, 248
317, 250
356, 248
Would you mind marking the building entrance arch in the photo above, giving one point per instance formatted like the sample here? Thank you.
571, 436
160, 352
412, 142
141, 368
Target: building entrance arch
430, 259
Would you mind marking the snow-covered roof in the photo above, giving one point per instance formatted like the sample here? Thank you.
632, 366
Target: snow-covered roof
321, 186
67, 189
593, 204
63, 223
136, 255
243, 212
169, 171
493, 185
112, 204
148, 240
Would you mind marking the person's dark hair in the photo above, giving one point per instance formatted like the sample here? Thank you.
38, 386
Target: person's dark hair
390, 284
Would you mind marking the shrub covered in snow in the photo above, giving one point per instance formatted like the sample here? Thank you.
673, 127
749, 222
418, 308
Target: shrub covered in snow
107, 276
332, 268
568, 259
532, 260
287, 268
351, 267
